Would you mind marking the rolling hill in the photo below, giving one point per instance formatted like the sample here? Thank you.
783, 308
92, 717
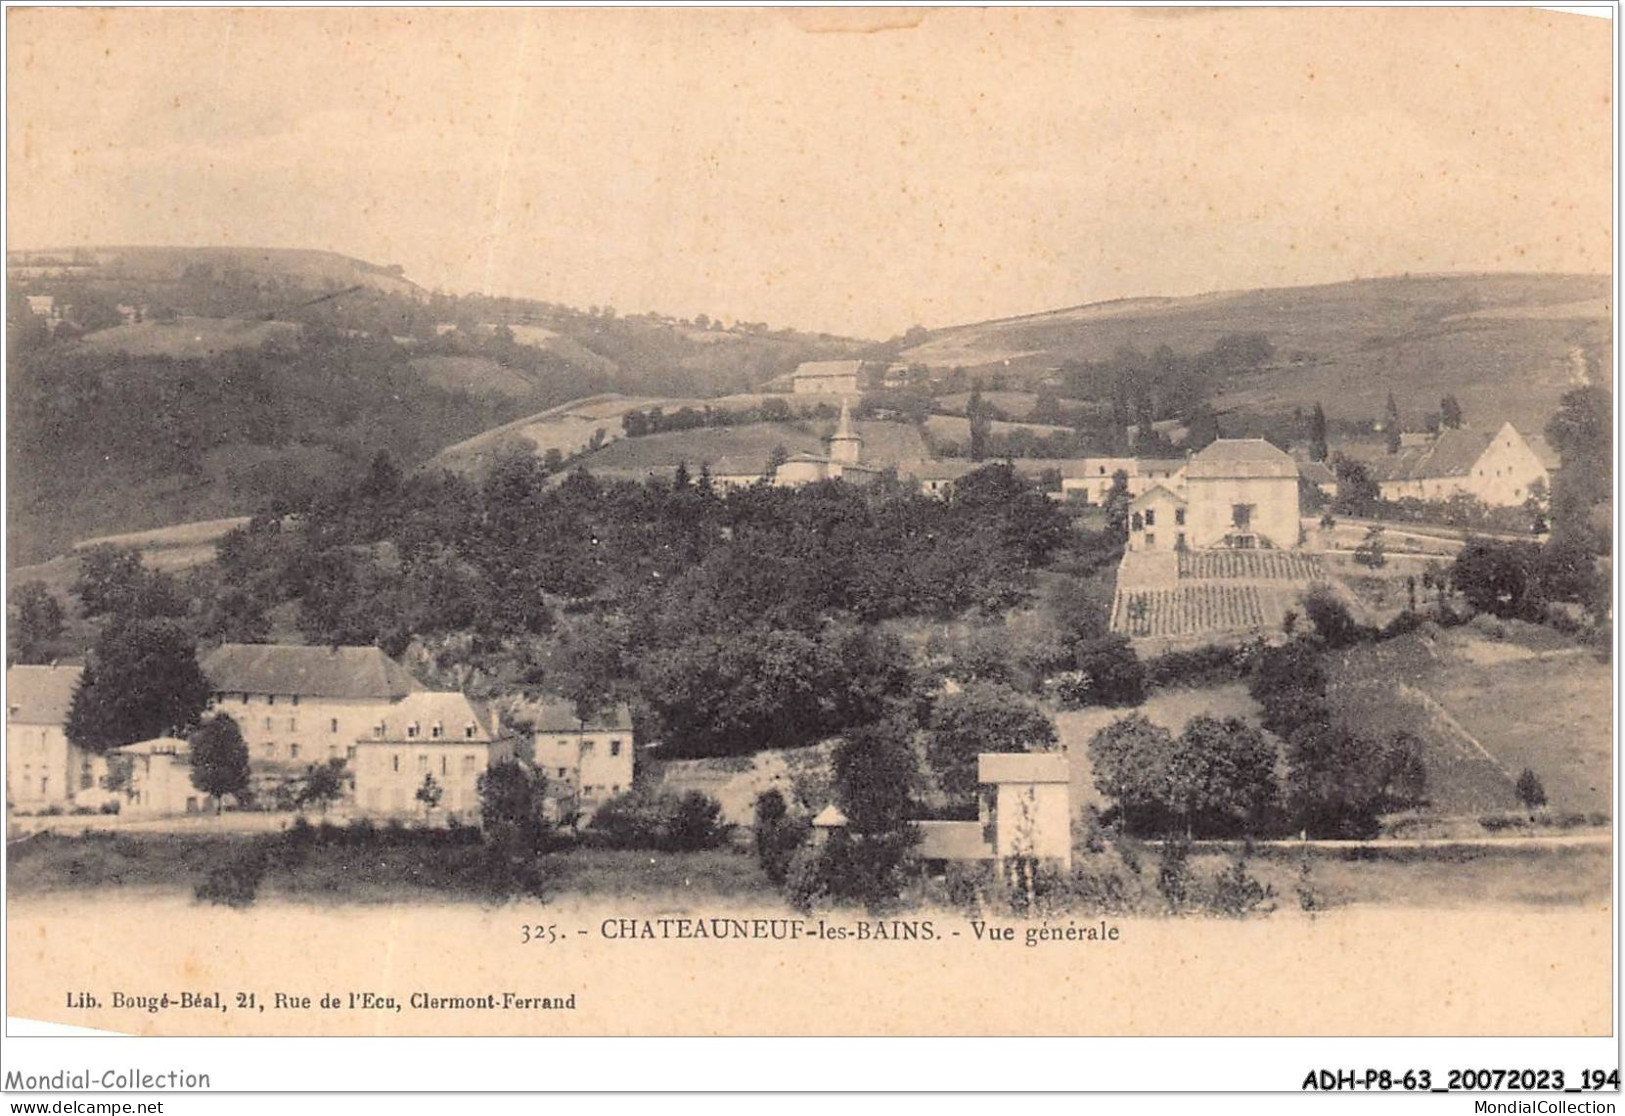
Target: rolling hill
1504, 344
155, 267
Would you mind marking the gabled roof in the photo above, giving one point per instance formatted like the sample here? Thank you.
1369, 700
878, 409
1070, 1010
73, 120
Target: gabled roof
330, 672
829, 817
452, 711
1316, 472
40, 695
1240, 458
560, 716
1452, 454
158, 746
1167, 494
1022, 767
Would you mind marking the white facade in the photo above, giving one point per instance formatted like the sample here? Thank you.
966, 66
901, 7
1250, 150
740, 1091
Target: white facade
1241, 493
43, 770
441, 737
160, 780
827, 377
1501, 470
1030, 808
588, 762
1157, 521
1093, 477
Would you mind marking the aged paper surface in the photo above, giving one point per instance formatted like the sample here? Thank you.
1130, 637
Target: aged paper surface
850, 172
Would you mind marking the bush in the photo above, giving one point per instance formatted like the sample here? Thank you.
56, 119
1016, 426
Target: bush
1330, 617
778, 835
1237, 893
236, 883
1200, 667
647, 818
1114, 672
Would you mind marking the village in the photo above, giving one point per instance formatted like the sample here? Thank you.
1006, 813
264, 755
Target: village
1225, 550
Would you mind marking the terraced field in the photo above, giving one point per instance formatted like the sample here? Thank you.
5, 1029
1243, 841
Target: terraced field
1250, 565
1188, 610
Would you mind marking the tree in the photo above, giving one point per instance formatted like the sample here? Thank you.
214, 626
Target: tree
1390, 424
1530, 790
1371, 553
980, 424
35, 621
1130, 758
1112, 671
1333, 788
219, 758
1317, 434
1216, 778
323, 785
1356, 491
1495, 577
429, 794
113, 581
511, 801
142, 681
875, 779
1221, 777
1450, 416
777, 835
1117, 504
983, 717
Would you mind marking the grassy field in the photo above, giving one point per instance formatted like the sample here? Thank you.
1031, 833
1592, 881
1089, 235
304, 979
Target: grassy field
1447, 876
1500, 342
189, 338
375, 873
477, 375
1486, 709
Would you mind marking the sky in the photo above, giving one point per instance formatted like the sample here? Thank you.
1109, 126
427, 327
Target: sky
851, 171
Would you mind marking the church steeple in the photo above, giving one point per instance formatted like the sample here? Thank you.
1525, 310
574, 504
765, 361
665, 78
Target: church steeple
846, 444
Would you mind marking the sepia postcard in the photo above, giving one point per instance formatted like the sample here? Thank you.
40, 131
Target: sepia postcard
793, 522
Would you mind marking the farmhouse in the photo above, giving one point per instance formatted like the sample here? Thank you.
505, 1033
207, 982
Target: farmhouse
42, 769
1092, 479
1499, 468
160, 779
440, 741
590, 761
1157, 520
302, 705
827, 377
1243, 493
1025, 812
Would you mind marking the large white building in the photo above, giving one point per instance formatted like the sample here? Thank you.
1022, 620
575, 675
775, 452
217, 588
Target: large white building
585, 762
827, 377
443, 740
1500, 467
1092, 478
298, 706
43, 770
1241, 493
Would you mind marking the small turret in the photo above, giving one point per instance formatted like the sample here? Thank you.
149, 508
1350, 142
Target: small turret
846, 444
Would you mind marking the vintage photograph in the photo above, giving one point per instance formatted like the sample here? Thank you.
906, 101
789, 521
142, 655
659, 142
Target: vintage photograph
810, 521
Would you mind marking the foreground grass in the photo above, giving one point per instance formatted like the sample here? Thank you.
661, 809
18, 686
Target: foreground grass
1444, 876
382, 873
375, 873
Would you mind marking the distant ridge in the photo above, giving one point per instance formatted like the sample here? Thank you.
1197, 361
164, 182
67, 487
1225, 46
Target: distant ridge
309, 267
